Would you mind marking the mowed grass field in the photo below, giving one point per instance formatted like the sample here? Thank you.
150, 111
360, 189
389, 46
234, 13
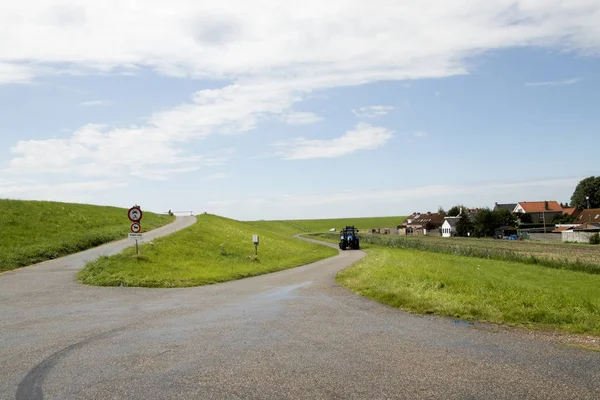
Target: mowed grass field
215, 249
472, 288
557, 251
292, 227
36, 231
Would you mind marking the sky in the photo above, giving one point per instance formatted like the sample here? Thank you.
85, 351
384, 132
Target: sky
255, 109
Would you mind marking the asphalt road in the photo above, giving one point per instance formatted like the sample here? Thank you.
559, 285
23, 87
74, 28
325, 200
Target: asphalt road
294, 334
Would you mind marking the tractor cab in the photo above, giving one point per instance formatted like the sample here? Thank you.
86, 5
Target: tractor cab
349, 238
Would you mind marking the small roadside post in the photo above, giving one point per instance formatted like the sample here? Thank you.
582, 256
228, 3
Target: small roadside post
135, 215
255, 241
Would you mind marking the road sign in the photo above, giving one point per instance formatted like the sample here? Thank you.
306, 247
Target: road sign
136, 227
135, 214
136, 236
255, 239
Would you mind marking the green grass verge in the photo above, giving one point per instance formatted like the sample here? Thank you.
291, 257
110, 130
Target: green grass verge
292, 227
215, 249
469, 288
36, 231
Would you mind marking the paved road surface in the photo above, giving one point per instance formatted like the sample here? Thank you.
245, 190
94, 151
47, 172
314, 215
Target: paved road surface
294, 334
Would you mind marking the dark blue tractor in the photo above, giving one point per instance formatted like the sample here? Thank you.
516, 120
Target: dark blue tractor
349, 238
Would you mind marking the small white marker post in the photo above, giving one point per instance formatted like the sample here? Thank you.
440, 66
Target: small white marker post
255, 241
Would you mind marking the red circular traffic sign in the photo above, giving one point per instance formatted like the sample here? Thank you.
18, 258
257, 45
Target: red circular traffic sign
136, 227
135, 214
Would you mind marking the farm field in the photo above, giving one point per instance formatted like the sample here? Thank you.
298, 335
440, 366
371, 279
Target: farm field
214, 249
579, 257
478, 289
36, 231
292, 227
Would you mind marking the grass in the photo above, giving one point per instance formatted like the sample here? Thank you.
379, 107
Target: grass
584, 258
470, 288
292, 227
213, 250
36, 231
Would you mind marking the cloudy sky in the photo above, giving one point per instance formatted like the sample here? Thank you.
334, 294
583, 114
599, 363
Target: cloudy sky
257, 109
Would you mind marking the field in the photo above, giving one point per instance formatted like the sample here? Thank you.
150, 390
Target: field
577, 257
478, 289
215, 249
291, 227
36, 231
557, 251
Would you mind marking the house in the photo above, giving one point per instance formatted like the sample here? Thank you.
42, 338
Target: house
508, 206
540, 211
580, 233
588, 216
564, 228
449, 226
587, 228
573, 211
422, 224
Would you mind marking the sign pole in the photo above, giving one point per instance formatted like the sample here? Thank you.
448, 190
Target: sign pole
255, 239
135, 215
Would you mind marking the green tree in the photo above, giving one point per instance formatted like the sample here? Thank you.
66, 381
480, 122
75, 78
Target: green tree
524, 218
464, 226
454, 211
563, 219
587, 187
487, 221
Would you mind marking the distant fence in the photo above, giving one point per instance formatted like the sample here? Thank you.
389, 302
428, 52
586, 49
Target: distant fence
547, 237
578, 237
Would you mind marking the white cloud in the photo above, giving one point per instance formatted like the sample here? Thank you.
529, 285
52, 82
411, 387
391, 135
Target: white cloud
277, 55
211, 40
373, 111
555, 83
362, 137
15, 73
94, 103
301, 118
219, 175
420, 134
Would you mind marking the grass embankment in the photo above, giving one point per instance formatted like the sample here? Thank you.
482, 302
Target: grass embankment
292, 227
215, 249
471, 288
36, 231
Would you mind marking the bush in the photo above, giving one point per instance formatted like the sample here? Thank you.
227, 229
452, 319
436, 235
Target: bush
595, 238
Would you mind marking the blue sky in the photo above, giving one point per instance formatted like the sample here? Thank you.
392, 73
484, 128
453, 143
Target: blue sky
298, 113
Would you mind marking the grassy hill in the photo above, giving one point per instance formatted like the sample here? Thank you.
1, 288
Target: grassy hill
291, 227
36, 231
215, 249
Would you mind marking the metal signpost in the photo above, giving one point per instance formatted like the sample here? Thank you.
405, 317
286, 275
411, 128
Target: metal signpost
255, 240
135, 215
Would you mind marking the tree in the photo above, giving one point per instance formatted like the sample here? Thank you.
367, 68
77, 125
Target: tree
487, 221
464, 225
563, 219
454, 211
587, 187
504, 217
441, 210
524, 218
484, 223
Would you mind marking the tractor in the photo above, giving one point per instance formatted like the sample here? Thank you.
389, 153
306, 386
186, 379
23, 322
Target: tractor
349, 238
